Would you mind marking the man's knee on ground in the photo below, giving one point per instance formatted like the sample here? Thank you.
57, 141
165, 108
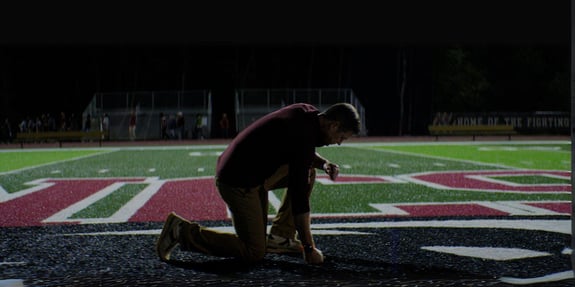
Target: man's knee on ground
254, 255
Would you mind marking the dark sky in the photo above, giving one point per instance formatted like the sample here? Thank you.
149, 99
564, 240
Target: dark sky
59, 55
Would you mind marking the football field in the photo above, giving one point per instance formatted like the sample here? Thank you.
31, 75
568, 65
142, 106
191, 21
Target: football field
464, 213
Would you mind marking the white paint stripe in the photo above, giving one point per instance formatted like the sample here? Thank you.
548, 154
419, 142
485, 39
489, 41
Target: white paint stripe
412, 178
547, 278
385, 179
199, 153
274, 200
389, 209
132, 206
12, 283
201, 169
556, 226
491, 253
470, 143
152, 170
65, 214
373, 148
39, 184
394, 165
226, 229
517, 208
105, 170
492, 178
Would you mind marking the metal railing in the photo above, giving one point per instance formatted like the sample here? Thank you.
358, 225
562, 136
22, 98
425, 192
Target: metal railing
251, 104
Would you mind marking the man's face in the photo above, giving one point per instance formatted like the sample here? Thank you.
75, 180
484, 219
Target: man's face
334, 135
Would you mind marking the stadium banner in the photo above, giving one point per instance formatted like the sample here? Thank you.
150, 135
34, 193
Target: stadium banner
540, 122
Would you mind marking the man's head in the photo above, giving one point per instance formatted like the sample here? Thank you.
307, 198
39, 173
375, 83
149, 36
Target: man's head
338, 123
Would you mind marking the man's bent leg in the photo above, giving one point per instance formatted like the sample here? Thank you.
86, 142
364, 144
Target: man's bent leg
283, 224
249, 215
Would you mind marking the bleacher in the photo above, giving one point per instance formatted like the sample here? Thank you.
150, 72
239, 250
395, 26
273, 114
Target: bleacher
252, 104
148, 106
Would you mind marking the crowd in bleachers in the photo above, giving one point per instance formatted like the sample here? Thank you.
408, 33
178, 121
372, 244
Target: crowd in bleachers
39, 123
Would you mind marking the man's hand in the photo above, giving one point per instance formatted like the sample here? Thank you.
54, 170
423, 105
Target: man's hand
331, 169
314, 257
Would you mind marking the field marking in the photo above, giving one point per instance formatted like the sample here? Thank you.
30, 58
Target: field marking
12, 283
37, 185
475, 179
13, 263
490, 253
435, 143
513, 208
123, 214
561, 226
543, 279
56, 162
375, 148
493, 179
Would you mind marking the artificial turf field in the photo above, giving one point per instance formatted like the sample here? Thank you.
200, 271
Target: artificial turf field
400, 214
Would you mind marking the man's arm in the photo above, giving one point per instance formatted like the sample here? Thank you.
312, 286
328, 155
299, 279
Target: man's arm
322, 163
311, 254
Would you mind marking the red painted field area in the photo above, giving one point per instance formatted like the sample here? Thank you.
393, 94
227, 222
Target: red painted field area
198, 199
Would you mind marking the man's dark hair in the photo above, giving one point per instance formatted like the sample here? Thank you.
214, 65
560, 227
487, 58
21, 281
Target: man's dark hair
344, 113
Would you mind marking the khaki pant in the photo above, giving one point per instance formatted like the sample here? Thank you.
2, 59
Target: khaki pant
249, 209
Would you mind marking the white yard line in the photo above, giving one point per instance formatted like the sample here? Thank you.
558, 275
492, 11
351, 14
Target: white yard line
543, 279
372, 148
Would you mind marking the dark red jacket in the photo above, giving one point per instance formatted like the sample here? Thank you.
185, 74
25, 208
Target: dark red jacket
286, 136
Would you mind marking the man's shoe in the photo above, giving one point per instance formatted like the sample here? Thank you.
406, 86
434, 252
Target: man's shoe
170, 236
278, 244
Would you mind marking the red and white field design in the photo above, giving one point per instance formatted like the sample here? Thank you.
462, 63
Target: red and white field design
54, 201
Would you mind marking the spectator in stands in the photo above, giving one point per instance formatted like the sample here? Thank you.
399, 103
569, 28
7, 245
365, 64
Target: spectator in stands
31, 128
38, 124
106, 126
45, 123
23, 126
88, 123
6, 131
199, 131
132, 126
163, 126
224, 126
276, 151
180, 125
73, 124
172, 127
51, 123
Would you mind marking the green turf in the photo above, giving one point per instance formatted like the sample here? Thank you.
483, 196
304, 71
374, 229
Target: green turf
165, 164
530, 156
107, 206
377, 160
16, 160
524, 179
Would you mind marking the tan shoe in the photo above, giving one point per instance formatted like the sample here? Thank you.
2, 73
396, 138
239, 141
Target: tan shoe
278, 244
170, 236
